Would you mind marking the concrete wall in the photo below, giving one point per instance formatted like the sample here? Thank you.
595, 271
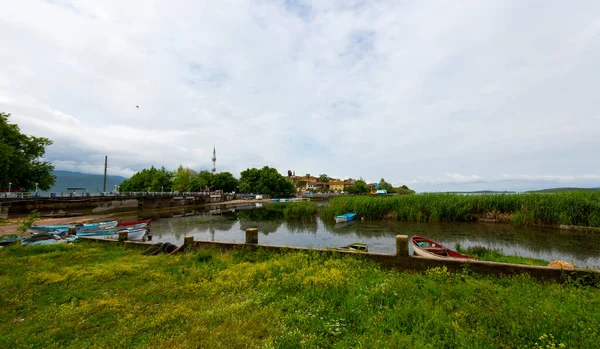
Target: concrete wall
401, 260
98, 204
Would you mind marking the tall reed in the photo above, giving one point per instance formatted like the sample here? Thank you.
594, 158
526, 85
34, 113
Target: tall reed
572, 208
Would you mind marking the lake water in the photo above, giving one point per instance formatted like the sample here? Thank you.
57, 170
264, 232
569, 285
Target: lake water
579, 248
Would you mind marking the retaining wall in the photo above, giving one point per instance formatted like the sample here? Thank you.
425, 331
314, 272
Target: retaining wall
99, 204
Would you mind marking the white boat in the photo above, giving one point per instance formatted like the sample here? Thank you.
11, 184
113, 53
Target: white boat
132, 234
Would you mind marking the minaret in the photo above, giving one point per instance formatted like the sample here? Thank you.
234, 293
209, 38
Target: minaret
214, 160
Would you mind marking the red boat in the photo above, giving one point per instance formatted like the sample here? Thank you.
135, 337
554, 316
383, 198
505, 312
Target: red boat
126, 224
430, 249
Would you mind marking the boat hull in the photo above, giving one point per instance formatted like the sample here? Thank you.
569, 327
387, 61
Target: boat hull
346, 217
434, 250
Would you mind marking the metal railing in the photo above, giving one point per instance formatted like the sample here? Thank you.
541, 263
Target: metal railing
79, 194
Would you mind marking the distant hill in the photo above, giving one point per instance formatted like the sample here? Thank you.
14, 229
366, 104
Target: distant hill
560, 190
480, 192
91, 182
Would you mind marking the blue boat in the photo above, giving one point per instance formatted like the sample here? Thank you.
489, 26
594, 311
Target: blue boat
79, 227
346, 217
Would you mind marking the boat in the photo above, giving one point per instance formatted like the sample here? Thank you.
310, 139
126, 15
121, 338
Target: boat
346, 217
430, 249
46, 238
132, 234
355, 247
79, 227
136, 223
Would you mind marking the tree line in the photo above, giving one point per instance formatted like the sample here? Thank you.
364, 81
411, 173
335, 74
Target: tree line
266, 181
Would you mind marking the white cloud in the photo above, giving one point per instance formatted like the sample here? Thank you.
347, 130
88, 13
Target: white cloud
436, 95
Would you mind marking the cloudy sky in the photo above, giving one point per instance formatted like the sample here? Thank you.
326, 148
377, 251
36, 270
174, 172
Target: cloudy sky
438, 95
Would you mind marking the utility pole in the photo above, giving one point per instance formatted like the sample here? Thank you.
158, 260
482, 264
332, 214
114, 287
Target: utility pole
105, 165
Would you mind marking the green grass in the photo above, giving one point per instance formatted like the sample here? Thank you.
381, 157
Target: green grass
96, 295
570, 208
495, 255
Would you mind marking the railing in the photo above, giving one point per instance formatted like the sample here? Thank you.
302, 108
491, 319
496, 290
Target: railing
78, 194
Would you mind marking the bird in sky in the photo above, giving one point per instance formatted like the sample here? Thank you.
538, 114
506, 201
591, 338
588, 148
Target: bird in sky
137, 106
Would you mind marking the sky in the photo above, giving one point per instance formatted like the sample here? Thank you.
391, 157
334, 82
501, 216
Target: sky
438, 95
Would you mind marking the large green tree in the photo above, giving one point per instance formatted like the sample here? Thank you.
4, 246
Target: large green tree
383, 185
202, 181
359, 187
20, 158
151, 179
323, 178
183, 179
224, 181
267, 181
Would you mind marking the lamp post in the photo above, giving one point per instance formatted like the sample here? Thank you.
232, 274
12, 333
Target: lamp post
161, 189
36, 188
9, 184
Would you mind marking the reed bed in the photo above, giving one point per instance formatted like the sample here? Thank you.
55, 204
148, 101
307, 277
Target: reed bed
300, 210
571, 208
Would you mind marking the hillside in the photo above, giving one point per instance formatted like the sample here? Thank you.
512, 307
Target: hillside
560, 190
91, 182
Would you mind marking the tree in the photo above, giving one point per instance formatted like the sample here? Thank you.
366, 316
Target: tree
359, 187
265, 181
162, 180
307, 175
20, 158
383, 185
323, 178
224, 181
151, 179
183, 179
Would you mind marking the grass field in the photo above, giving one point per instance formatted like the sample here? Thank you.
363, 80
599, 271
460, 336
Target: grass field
96, 295
570, 208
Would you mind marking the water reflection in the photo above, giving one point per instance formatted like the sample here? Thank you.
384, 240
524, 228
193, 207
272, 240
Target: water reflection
580, 248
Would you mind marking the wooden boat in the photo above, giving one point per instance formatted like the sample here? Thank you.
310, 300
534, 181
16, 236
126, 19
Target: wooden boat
346, 217
132, 234
355, 247
79, 227
136, 223
430, 249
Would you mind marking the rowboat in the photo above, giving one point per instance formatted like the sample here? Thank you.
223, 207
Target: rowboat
346, 217
136, 223
79, 227
132, 234
355, 247
46, 238
430, 249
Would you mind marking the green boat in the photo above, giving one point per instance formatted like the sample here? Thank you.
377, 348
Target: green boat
355, 247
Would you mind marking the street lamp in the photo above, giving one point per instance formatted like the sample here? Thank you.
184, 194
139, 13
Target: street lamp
36, 188
9, 184
161, 189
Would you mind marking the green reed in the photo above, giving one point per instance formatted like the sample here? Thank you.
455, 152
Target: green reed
571, 208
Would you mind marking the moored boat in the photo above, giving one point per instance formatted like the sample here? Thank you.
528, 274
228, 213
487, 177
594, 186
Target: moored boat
132, 234
135, 223
354, 247
430, 249
79, 227
346, 217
